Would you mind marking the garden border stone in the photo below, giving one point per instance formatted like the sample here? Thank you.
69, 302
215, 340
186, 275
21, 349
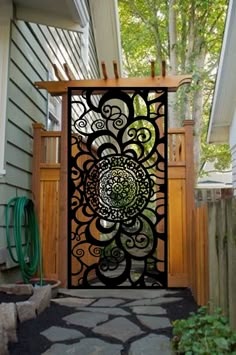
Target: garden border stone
10, 313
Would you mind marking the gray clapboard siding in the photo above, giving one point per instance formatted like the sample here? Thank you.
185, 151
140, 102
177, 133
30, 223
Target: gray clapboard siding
44, 43
25, 102
72, 41
34, 49
22, 80
18, 177
6, 192
23, 38
19, 137
19, 158
3, 242
32, 73
20, 118
93, 62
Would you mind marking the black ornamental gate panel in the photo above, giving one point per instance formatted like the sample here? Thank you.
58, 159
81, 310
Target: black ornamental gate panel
117, 181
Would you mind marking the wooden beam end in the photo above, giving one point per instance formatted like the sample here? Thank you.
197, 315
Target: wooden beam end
115, 68
163, 68
153, 68
104, 70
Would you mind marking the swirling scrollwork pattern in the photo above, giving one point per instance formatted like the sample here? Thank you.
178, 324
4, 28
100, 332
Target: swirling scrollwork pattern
118, 188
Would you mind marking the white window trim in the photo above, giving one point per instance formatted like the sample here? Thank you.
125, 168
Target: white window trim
5, 36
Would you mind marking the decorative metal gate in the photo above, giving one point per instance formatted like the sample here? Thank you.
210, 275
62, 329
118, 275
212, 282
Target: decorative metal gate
117, 178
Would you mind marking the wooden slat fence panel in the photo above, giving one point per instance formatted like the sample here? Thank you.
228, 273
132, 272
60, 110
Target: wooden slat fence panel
177, 237
180, 204
49, 224
222, 257
199, 269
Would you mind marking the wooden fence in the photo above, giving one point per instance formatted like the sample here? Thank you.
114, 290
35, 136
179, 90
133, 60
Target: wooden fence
222, 257
47, 157
46, 191
213, 256
199, 249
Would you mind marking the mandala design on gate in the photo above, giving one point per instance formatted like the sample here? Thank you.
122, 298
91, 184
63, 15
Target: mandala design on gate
118, 188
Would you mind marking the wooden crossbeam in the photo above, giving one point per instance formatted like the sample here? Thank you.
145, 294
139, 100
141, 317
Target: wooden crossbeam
57, 88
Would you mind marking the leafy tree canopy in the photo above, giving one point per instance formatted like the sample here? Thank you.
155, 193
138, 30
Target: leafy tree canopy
188, 35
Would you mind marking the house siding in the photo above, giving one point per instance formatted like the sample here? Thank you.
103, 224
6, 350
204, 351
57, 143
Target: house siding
33, 51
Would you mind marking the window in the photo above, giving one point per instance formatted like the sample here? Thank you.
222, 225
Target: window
53, 122
54, 114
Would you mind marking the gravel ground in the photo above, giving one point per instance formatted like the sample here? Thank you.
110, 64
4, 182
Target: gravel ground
9, 297
32, 343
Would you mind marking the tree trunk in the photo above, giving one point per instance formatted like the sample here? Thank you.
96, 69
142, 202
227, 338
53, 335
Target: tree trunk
197, 113
173, 119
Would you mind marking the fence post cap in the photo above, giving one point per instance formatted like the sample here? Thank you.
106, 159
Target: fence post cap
38, 125
188, 122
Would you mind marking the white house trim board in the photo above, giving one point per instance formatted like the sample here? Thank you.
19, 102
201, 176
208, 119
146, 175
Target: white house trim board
232, 133
44, 17
224, 102
107, 33
233, 152
5, 34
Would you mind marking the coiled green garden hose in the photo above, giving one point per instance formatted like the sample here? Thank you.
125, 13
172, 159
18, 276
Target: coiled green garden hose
28, 252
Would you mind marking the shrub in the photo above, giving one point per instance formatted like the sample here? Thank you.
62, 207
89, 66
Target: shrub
204, 333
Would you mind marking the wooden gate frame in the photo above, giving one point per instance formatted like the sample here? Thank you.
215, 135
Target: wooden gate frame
60, 88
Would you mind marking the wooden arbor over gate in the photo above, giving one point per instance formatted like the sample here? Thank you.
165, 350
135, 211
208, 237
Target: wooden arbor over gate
180, 157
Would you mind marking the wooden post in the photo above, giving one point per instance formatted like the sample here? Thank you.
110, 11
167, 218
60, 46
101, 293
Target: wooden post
206, 256
37, 149
190, 177
63, 199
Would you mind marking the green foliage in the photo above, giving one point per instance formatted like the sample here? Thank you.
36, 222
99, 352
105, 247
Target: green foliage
204, 333
199, 29
219, 154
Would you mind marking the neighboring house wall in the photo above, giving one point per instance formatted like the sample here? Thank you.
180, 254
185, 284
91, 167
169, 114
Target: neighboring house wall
34, 48
232, 141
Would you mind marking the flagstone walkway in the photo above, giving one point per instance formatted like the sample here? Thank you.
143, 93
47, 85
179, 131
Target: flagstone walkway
111, 322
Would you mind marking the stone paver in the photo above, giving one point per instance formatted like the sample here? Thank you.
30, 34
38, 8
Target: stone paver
17, 289
155, 310
128, 294
106, 310
152, 301
108, 302
8, 318
150, 345
118, 328
129, 318
86, 319
25, 310
41, 298
73, 301
3, 340
154, 322
88, 346
60, 334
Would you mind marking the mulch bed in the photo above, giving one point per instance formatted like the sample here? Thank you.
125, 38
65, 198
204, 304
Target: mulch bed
10, 297
32, 343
